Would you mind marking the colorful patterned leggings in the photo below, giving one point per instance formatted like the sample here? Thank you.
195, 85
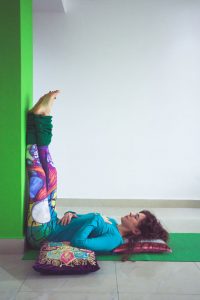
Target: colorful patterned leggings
42, 178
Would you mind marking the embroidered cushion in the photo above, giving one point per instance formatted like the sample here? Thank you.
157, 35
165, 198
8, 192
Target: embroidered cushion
61, 258
145, 246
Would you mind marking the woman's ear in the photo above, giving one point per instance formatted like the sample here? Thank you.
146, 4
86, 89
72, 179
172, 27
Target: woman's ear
136, 231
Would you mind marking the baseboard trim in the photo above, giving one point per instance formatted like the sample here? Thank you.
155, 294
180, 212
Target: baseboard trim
148, 203
12, 246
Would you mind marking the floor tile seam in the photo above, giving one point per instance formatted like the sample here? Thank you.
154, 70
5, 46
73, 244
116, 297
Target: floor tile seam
19, 288
116, 280
164, 293
71, 292
198, 267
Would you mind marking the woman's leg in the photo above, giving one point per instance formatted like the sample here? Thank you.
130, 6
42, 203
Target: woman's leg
51, 176
38, 218
43, 125
41, 175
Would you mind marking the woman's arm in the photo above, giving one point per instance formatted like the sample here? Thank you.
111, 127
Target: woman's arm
106, 241
66, 219
72, 214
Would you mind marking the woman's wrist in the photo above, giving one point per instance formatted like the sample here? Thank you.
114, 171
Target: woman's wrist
70, 211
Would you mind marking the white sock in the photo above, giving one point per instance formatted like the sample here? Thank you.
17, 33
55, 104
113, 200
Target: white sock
40, 211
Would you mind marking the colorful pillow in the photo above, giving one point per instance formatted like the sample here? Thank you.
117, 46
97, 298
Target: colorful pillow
145, 246
61, 258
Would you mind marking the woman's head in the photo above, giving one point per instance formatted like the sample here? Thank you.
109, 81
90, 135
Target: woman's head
131, 223
151, 228
143, 225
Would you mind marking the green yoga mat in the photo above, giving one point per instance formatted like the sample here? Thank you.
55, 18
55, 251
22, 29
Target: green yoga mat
185, 247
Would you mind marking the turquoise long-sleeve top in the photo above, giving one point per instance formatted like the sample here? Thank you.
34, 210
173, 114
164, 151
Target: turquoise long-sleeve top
88, 231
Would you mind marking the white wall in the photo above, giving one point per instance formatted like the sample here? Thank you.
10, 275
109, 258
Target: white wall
127, 122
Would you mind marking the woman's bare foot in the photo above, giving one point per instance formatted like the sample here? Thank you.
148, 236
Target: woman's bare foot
44, 104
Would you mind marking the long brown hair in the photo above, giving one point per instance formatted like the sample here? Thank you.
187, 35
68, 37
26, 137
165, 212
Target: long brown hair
150, 228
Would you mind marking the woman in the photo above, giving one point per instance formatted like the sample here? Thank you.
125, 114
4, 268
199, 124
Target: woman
91, 231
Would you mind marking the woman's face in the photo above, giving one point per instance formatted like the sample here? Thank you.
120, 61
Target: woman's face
132, 221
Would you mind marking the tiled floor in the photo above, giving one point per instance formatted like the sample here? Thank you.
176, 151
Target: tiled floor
115, 280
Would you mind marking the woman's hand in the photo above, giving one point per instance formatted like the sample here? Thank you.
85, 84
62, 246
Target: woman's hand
67, 218
106, 219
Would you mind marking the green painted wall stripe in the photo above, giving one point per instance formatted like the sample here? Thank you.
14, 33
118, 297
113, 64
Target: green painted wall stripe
16, 97
26, 85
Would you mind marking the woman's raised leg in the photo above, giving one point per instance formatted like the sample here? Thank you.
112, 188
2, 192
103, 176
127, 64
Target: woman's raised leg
38, 217
41, 172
